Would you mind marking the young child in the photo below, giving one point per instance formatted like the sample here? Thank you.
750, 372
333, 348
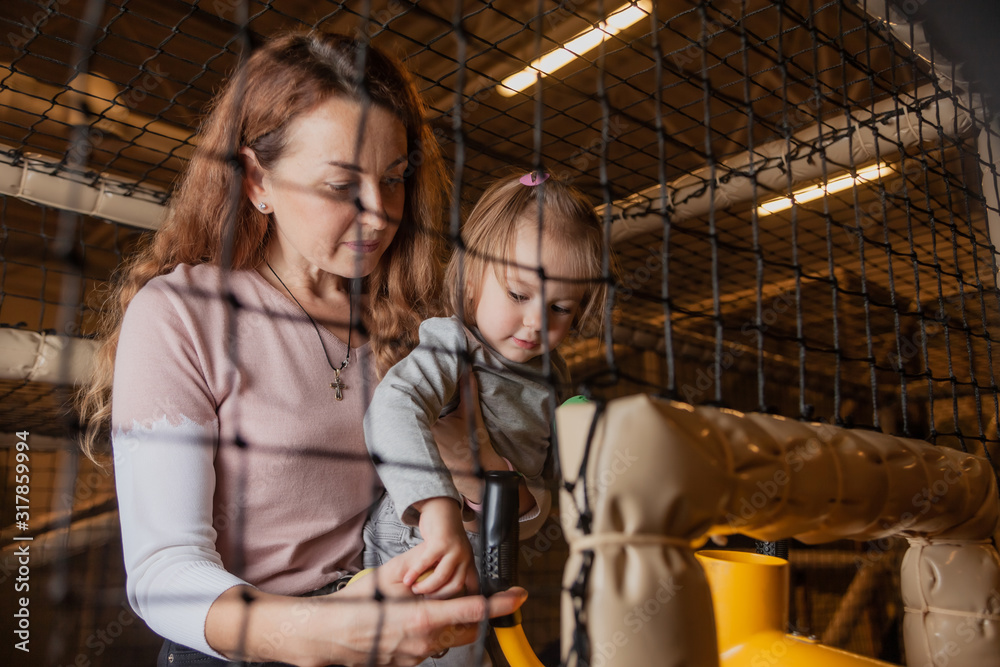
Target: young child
506, 319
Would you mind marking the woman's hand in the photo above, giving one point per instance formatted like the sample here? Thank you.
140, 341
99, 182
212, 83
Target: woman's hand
350, 627
410, 629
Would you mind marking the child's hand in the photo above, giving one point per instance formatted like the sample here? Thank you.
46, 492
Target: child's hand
446, 552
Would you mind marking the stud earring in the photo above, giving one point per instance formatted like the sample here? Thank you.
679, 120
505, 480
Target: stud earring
262, 206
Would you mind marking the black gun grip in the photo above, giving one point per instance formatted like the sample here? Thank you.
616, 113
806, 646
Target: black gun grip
499, 531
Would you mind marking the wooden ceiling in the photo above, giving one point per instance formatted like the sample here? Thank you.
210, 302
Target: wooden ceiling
881, 290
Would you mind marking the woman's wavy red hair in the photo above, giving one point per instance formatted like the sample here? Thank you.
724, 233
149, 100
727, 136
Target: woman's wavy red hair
210, 220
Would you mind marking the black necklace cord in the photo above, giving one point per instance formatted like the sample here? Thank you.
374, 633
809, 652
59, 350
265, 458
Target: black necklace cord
350, 324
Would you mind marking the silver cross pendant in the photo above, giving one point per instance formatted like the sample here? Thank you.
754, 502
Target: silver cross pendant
338, 385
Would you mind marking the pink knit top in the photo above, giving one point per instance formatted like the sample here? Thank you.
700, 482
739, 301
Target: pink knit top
234, 462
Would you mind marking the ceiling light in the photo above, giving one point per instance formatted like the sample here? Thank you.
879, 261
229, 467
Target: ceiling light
867, 175
619, 20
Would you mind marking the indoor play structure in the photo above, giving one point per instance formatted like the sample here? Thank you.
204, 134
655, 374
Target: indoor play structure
648, 480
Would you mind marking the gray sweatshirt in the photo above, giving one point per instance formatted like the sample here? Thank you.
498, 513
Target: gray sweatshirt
516, 401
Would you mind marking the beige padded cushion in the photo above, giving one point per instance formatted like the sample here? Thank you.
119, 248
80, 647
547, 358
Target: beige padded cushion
661, 476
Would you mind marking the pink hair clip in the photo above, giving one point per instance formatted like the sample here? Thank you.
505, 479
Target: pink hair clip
534, 178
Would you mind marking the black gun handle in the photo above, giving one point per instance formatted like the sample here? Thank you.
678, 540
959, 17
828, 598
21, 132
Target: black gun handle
499, 531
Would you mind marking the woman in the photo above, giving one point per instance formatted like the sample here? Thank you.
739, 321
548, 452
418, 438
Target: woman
301, 252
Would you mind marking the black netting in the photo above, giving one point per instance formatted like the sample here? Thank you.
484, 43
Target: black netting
870, 307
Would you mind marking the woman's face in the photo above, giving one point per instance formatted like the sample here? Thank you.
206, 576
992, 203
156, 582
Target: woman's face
337, 202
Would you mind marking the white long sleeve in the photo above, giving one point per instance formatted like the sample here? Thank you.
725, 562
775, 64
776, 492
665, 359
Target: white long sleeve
175, 573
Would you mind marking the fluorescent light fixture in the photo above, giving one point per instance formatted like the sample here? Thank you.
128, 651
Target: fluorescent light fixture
619, 20
867, 175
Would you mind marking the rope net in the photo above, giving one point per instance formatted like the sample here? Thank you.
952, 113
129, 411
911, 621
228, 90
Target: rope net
868, 302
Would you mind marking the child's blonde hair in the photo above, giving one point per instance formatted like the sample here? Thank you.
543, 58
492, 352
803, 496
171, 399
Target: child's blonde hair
489, 237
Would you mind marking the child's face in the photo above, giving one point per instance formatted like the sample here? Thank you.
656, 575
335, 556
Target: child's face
510, 317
